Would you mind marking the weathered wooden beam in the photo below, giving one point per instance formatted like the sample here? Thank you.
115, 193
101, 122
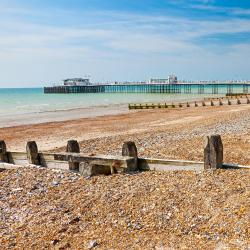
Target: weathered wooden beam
73, 147
146, 164
94, 165
125, 162
32, 153
213, 152
88, 169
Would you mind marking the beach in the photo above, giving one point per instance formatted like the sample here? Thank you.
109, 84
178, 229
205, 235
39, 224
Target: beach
56, 209
168, 133
45, 209
125, 125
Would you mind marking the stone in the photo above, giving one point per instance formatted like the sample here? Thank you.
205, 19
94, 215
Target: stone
74, 220
92, 244
54, 242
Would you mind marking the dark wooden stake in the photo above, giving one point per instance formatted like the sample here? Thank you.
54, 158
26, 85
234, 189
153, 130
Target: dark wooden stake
73, 147
213, 152
3, 152
32, 153
129, 149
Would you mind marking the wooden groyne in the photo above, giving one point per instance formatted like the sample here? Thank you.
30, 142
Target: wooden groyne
229, 100
128, 161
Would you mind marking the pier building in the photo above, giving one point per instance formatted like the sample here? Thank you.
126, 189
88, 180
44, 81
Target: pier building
172, 79
76, 82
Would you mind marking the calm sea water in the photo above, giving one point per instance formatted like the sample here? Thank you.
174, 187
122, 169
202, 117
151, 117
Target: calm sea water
33, 100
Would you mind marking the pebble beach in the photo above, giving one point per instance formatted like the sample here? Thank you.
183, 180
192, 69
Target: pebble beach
46, 209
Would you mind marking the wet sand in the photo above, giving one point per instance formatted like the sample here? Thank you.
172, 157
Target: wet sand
10, 120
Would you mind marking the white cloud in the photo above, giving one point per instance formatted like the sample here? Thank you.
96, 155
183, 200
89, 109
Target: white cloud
230, 10
111, 44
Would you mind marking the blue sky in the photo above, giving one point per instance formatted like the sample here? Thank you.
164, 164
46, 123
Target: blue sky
42, 42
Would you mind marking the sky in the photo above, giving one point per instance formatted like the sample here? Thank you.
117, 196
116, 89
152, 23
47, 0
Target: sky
44, 42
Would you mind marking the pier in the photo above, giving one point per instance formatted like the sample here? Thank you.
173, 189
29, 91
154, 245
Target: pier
178, 88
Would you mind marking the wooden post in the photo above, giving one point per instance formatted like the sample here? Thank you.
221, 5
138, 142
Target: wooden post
195, 104
220, 102
238, 101
248, 101
129, 149
32, 153
188, 105
3, 152
213, 152
73, 147
229, 102
203, 104
212, 103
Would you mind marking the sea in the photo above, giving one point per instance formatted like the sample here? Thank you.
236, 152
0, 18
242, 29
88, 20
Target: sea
33, 100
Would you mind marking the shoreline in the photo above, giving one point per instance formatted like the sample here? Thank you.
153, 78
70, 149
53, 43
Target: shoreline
60, 115
8, 121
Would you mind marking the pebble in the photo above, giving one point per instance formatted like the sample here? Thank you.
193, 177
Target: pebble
92, 244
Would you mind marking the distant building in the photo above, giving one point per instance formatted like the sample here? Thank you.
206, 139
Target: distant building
76, 82
172, 79
158, 80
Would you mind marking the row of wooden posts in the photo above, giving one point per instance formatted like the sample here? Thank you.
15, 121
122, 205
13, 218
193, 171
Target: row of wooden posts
187, 104
89, 165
